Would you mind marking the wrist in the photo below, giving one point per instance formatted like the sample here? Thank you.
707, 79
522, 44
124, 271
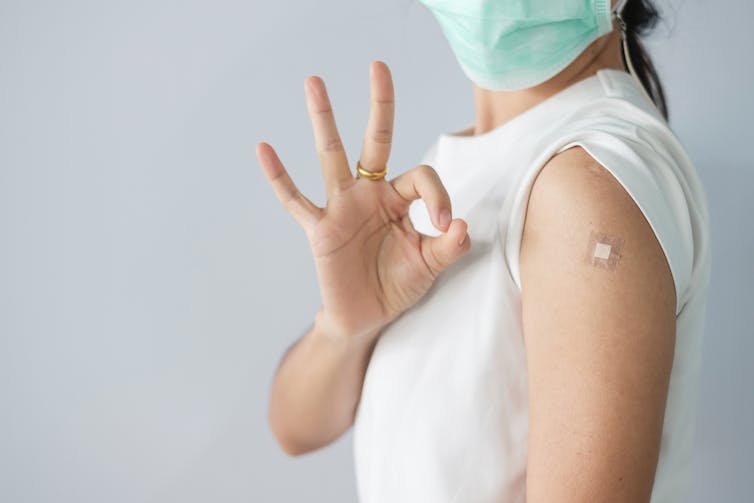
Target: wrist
325, 326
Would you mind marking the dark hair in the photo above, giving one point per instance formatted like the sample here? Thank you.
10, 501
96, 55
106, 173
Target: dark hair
640, 17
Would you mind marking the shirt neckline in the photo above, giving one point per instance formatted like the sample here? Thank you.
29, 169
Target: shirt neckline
566, 93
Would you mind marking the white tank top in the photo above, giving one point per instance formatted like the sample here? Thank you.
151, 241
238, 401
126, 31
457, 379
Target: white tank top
443, 415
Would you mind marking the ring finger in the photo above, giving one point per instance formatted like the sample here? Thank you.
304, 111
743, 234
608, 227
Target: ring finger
332, 157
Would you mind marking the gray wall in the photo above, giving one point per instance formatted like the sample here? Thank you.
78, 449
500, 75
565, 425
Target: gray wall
150, 280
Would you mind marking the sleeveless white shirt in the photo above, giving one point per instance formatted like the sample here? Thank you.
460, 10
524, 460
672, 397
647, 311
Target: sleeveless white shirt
443, 415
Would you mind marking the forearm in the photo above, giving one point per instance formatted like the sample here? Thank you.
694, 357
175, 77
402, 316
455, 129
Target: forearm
317, 387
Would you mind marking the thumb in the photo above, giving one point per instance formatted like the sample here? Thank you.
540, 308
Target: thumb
441, 251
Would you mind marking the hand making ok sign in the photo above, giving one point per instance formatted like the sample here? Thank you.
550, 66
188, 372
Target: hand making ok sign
371, 263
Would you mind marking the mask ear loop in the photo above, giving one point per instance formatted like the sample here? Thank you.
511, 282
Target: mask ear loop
617, 14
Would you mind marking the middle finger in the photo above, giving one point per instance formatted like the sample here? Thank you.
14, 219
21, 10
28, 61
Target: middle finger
375, 150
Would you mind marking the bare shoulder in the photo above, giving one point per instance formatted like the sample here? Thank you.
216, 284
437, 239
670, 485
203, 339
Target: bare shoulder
576, 206
598, 302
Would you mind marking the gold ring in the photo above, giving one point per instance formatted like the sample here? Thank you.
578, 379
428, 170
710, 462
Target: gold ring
372, 175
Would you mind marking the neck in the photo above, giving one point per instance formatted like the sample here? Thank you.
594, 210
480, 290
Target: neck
494, 108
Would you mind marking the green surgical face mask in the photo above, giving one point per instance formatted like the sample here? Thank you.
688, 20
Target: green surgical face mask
506, 45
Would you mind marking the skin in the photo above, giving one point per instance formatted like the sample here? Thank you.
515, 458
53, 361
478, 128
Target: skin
371, 265
599, 358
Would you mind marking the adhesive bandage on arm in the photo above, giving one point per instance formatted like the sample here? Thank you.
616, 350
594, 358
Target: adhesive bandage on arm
603, 251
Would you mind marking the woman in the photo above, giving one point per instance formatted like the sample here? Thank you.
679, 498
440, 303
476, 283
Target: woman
544, 344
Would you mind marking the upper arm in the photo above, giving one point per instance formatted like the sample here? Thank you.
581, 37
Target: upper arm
599, 338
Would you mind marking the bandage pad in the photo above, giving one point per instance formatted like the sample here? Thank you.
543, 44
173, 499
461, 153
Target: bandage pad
603, 251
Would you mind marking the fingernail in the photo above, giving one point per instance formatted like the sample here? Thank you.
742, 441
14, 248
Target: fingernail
461, 242
444, 218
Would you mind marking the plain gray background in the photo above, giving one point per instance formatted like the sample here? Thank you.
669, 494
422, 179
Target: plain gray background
150, 280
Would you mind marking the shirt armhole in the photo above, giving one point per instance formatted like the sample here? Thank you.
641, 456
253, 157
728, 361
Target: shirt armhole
647, 178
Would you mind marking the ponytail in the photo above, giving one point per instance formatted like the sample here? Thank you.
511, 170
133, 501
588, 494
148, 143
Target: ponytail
640, 17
